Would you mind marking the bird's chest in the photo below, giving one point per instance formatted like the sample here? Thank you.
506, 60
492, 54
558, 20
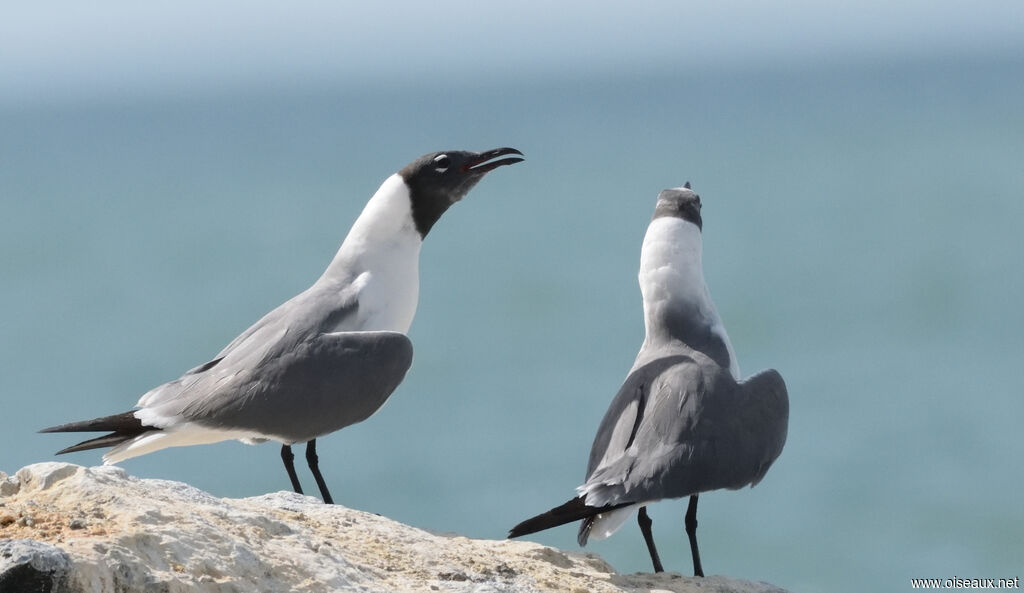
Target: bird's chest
388, 296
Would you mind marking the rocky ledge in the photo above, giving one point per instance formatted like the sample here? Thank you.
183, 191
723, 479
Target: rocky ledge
71, 529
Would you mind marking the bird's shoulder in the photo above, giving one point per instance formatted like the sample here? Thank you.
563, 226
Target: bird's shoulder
312, 312
766, 403
390, 345
280, 331
674, 374
767, 384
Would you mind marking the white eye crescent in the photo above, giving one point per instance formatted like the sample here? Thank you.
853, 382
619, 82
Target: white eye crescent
441, 163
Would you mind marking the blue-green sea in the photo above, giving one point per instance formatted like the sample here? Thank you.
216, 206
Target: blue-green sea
862, 234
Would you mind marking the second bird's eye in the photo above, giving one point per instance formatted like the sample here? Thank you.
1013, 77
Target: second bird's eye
441, 163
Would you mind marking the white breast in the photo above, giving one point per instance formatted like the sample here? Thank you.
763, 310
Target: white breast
389, 295
381, 257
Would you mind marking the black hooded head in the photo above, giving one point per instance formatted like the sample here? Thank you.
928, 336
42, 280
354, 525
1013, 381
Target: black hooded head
439, 179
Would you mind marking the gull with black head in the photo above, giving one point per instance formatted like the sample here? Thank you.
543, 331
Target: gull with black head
325, 359
683, 422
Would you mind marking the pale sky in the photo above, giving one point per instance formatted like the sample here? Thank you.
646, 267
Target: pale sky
52, 48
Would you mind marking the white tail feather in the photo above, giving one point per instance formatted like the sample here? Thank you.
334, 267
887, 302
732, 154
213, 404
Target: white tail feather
181, 435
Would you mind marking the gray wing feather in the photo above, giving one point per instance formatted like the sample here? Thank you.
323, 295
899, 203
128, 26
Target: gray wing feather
699, 430
319, 386
311, 312
621, 422
766, 407
308, 314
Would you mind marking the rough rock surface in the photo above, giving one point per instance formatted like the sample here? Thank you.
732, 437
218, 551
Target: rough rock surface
69, 529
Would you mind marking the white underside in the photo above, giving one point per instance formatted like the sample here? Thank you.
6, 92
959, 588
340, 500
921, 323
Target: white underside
608, 523
182, 435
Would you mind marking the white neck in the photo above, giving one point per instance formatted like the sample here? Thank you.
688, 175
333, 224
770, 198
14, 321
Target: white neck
379, 261
675, 295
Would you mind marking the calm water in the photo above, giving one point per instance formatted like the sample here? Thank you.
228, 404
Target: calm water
861, 235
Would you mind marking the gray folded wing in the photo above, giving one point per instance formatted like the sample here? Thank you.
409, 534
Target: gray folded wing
681, 425
627, 412
318, 386
289, 376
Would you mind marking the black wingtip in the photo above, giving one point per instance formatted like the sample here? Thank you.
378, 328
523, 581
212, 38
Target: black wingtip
123, 422
121, 427
107, 440
573, 510
560, 515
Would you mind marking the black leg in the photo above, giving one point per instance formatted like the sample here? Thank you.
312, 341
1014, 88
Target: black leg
691, 532
289, 465
645, 528
314, 466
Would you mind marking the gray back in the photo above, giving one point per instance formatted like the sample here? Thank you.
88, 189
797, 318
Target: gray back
691, 428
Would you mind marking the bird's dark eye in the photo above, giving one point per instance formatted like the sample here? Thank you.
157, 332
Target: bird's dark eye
441, 163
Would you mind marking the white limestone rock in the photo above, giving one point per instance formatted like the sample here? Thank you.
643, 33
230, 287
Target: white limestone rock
70, 529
